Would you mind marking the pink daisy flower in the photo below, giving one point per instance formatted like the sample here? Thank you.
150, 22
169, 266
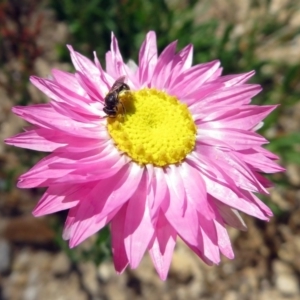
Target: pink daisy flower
177, 155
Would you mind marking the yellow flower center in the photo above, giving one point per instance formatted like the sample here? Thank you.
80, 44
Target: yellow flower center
155, 128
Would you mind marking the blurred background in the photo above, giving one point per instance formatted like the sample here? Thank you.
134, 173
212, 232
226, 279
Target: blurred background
261, 35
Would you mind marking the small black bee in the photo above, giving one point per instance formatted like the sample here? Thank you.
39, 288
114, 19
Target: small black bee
112, 98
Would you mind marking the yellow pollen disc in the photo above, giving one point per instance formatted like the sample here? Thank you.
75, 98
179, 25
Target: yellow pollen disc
155, 128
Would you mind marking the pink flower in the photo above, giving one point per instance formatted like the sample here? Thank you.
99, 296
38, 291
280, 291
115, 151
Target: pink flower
180, 158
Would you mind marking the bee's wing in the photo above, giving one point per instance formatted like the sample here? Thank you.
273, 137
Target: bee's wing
117, 83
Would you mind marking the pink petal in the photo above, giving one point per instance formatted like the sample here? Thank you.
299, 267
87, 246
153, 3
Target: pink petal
215, 76
162, 246
266, 152
222, 235
176, 187
68, 79
64, 95
240, 173
85, 224
138, 229
196, 195
94, 90
234, 96
226, 195
182, 61
85, 66
195, 189
225, 190
181, 215
150, 187
241, 139
193, 79
230, 216
267, 211
209, 238
186, 58
258, 161
69, 222
198, 249
117, 240
45, 141
45, 116
147, 59
163, 67
112, 165
118, 190
192, 96
160, 190
201, 71
234, 80
107, 80
60, 197
114, 61
81, 167
245, 117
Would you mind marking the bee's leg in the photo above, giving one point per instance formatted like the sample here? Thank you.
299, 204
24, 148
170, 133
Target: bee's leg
110, 113
110, 116
124, 110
